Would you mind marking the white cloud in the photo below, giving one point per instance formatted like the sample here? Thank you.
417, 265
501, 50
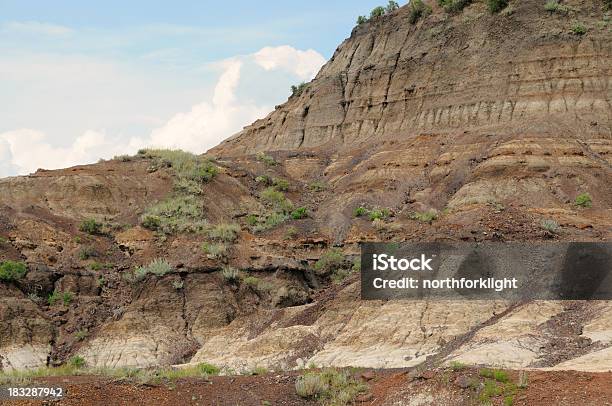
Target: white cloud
197, 130
304, 64
36, 28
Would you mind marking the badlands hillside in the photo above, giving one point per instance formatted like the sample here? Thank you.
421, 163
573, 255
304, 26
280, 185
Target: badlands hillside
461, 125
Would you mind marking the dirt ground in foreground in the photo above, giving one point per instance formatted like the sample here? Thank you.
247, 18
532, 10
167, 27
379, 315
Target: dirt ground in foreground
436, 387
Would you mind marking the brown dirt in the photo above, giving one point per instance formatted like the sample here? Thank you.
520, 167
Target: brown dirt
386, 386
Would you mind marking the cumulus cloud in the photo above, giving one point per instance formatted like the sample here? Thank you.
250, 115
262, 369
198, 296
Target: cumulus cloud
197, 130
304, 64
37, 28
207, 124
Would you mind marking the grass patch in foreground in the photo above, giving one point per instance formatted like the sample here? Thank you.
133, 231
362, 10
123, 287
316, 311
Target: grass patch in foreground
77, 366
330, 386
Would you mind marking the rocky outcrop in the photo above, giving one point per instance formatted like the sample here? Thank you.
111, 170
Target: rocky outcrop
520, 72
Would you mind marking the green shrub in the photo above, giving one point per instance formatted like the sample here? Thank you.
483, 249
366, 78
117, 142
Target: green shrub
185, 164
608, 4
454, 6
391, 7
91, 226
377, 12
230, 274
215, 250
291, 233
490, 389
276, 199
362, 20
86, 253
224, 232
579, 29
299, 213
188, 186
251, 281
425, 217
266, 159
97, 266
81, 334
252, 219
418, 10
360, 211
330, 260
379, 214
317, 186
583, 200
174, 215
299, 89
258, 371
550, 226
208, 369
265, 179
495, 6
157, 267
500, 376
77, 362
64, 297
331, 386
553, 6
178, 284
12, 270
281, 184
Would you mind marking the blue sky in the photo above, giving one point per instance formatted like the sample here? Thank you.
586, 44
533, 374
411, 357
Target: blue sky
85, 80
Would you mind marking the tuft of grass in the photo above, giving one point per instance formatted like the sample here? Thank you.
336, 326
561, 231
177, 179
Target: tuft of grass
276, 199
360, 211
258, 371
454, 6
157, 267
64, 298
330, 260
378, 214
81, 334
230, 274
491, 389
553, 6
174, 215
224, 232
578, 28
186, 166
425, 217
330, 386
264, 179
91, 226
523, 380
215, 250
77, 362
299, 213
317, 186
583, 200
495, 6
281, 184
291, 233
178, 284
457, 366
418, 10
188, 187
299, 89
86, 253
12, 270
550, 226
266, 159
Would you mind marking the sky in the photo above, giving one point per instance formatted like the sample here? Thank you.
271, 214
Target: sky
80, 81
